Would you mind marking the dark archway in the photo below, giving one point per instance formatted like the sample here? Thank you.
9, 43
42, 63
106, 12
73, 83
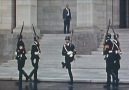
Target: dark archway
123, 15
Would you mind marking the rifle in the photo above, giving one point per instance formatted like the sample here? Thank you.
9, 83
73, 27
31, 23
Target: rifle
22, 29
36, 37
113, 30
34, 30
108, 27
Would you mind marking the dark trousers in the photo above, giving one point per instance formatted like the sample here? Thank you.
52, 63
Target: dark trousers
66, 26
116, 68
70, 75
110, 71
34, 71
68, 66
21, 64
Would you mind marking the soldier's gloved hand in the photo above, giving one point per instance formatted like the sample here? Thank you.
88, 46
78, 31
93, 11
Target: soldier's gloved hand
69, 53
36, 53
15, 53
21, 55
120, 52
34, 61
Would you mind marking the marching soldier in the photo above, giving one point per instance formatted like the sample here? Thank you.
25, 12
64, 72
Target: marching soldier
20, 57
117, 57
68, 51
109, 60
35, 51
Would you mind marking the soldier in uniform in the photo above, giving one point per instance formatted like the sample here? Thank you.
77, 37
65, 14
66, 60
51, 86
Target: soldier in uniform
35, 51
109, 60
117, 57
68, 51
20, 57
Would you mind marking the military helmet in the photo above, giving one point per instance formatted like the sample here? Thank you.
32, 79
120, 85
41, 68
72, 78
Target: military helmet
36, 38
116, 36
108, 36
67, 38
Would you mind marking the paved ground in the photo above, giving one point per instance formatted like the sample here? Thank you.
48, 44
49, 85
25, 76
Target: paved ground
10, 85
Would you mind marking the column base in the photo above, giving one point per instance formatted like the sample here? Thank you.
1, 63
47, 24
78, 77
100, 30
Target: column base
86, 39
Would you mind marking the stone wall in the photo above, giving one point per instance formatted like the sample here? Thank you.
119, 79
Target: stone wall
103, 10
86, 39
99, 13
50, 14
6, 47
7, 15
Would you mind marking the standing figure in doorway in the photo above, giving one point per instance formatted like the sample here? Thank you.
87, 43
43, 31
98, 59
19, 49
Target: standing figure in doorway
67, 19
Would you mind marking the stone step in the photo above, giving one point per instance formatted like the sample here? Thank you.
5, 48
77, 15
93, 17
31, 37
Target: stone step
123, 49
121, 42
121, 45
51, 47
82, 61
100, 53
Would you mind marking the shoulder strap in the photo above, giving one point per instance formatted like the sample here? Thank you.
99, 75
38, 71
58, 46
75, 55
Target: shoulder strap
65, 48
116, 45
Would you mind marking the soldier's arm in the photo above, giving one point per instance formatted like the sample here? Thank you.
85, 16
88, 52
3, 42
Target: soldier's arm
74, 50
70, 14
63, 14
64, 53
32, 50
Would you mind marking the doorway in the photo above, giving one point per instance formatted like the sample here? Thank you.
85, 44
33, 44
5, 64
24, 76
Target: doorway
123, 14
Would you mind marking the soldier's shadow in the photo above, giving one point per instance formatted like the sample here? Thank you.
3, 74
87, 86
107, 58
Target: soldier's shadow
112, 88
29, 86
70, 88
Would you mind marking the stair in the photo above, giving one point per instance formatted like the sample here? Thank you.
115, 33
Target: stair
51, 56
124, 43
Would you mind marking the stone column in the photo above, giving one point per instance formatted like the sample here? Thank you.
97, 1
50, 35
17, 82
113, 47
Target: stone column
6, 15
26, 10
84, 13
85, 35
116, 13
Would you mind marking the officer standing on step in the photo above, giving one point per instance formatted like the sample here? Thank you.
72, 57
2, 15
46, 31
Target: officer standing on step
20, 57
109, 60
68, 51
117, 57
66, 18
35, 51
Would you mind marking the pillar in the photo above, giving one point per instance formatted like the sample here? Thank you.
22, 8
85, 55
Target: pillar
26, 10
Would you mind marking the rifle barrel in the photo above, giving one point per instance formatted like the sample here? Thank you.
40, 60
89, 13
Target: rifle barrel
22, 28
34, 30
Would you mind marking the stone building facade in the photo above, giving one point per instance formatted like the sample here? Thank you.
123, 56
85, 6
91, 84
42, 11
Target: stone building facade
47, 14
88, 17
